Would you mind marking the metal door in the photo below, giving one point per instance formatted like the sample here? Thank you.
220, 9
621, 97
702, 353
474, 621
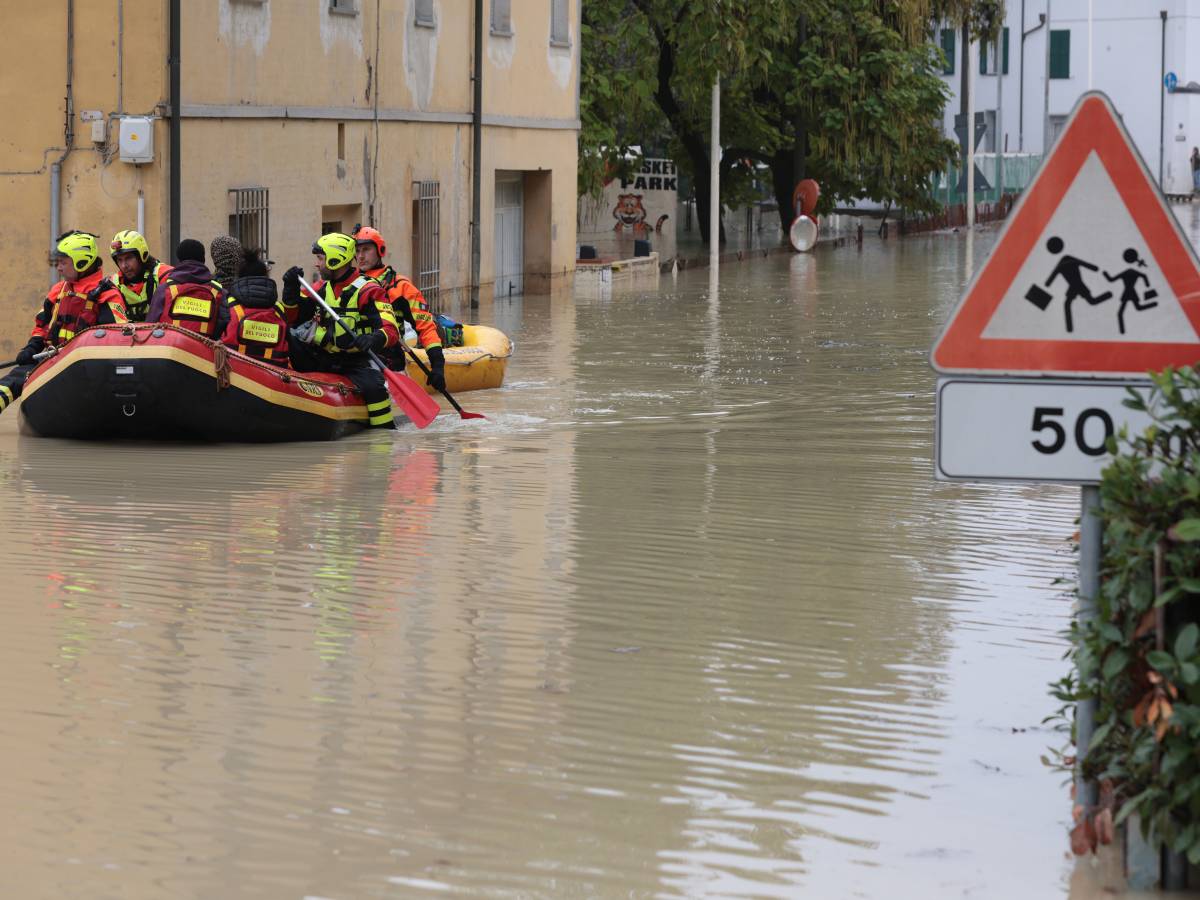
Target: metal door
509, 248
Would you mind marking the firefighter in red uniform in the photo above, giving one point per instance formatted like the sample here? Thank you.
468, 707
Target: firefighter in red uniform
407, 301
329, 348
138, 273
256, 323
188, 297
82, 299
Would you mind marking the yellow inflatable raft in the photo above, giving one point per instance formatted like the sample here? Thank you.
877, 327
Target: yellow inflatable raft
478, 364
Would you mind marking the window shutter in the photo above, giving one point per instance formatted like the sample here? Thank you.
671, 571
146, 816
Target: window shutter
501, 17
1060, 54
983, 55
948, 50
1004, 52
560, 32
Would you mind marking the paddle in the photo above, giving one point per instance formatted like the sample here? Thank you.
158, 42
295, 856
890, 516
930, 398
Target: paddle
445, 393
45, 354
405, 393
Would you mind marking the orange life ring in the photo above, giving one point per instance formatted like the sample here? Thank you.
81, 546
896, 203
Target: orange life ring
805, 197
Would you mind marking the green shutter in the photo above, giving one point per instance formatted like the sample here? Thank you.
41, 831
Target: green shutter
1060, 54
948, 50
1004, 53
983, 55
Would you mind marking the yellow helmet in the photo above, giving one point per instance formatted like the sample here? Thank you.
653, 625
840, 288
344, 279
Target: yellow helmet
130, 241
80, 247
337, 248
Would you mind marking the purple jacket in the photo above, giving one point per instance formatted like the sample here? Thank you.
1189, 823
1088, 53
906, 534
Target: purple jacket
187, 272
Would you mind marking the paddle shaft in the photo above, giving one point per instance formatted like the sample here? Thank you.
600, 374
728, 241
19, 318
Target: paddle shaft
445, 393
45, 354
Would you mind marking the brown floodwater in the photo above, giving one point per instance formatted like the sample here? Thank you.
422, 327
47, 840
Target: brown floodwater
688, 615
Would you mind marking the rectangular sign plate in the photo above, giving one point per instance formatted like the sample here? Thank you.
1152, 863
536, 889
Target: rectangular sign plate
1029, 430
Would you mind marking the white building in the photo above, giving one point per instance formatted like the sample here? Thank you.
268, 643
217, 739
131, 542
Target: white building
1123, 49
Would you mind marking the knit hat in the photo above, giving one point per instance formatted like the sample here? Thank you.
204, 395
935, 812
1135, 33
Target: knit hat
226, 256
189, 248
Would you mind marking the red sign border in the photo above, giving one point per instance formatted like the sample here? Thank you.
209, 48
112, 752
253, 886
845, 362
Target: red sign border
1092, 127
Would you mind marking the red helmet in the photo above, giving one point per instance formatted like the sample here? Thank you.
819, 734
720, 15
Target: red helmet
365, 234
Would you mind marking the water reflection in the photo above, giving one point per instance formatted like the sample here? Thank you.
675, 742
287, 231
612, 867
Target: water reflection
686, 615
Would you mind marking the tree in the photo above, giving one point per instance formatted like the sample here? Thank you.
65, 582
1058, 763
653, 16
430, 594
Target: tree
844, 90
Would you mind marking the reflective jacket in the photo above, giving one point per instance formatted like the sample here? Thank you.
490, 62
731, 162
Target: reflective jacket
362, 302
409, 303
189, 298
137, 296
72, 306
256, 323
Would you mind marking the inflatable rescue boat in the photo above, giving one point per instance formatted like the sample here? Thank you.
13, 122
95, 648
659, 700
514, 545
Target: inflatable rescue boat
477, 365
160, 382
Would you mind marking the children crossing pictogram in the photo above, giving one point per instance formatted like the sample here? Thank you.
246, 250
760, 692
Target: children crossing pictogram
1092, 227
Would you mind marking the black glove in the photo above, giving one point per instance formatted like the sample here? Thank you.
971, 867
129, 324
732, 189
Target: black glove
373, 341
291, 285
437, 369
35, 345
342, 339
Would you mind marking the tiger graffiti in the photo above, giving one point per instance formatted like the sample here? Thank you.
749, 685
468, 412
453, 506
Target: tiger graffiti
630, 214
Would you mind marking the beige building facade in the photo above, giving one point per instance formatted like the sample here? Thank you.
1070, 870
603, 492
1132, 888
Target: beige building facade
297, 117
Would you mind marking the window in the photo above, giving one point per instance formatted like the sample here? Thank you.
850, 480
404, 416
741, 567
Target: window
560, 30
424, 13
250, 221
426, 233
987, 56
344, 7
948, 50
502, 17
1060, 54
1057, 124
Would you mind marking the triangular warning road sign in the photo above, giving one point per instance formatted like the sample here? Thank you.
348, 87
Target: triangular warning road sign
1091, 274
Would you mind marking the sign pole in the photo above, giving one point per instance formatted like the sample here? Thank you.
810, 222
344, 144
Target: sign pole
1090, 534
714, 180
969, 129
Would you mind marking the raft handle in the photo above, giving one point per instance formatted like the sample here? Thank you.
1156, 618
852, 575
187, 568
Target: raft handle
130, 409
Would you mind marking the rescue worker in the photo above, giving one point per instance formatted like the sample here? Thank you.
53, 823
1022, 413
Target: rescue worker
226, 254
407, 301
359, 300
256, 323
188, 297
82, 299
138, 273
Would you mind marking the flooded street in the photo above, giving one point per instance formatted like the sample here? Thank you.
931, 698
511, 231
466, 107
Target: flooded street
686, 616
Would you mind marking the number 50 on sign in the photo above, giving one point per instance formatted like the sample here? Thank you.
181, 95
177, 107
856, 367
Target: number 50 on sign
1027, 430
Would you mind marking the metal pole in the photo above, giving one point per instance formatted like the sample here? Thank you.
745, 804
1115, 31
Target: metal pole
1046, 94
176, 176
1162, 95
1089, 45
972, 58
1001, 142
141, 213
1090, 534
476, 151
714, 179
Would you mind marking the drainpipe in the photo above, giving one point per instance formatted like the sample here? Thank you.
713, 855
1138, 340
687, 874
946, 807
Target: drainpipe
68, 138
476, 151
176, 175
1021, 79
1162, 94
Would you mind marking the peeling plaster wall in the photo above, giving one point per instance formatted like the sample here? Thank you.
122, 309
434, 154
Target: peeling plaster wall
420, 60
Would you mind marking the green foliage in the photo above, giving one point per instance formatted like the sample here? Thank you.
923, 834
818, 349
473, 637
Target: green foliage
855, 83
1144, 751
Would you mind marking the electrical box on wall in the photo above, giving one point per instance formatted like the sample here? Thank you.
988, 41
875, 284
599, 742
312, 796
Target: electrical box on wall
137, 139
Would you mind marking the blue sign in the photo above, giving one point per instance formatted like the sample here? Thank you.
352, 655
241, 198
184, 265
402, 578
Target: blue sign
1170, 80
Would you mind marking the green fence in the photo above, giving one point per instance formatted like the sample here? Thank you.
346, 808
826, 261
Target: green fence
1015, 169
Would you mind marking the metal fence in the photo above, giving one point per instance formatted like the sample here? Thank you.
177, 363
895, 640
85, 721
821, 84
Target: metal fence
426, 232
250, 221
1016, 170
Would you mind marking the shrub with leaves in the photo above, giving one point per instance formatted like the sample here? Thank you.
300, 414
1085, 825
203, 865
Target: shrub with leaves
1140, 658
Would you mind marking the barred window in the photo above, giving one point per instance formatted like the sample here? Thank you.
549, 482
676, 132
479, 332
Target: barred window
250, 220
426, 233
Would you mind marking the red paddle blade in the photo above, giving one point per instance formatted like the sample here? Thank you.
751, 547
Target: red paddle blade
470, 415
408, 397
